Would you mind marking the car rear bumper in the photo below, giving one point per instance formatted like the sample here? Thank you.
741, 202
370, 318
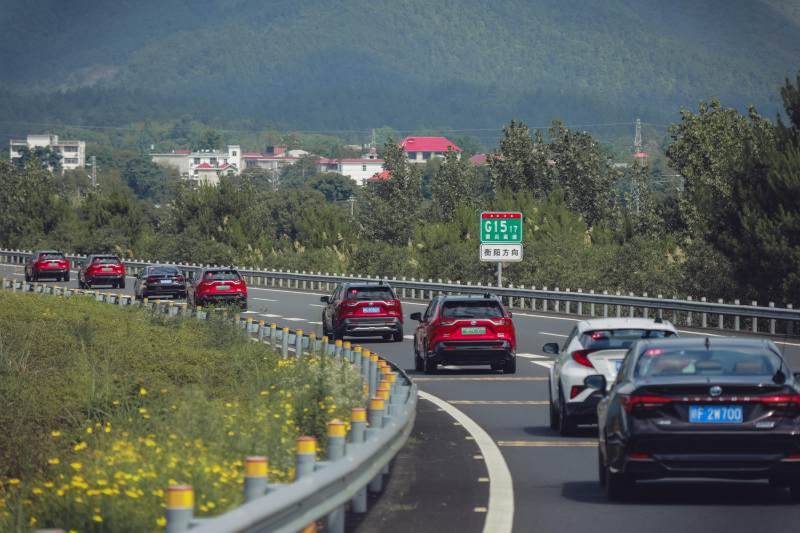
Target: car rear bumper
472, 352
229, 299
164, 289
104, 278
755, 455
50, 272
370, 327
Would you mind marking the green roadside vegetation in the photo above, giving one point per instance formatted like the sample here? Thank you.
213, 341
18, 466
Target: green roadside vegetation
715, 216
105, 407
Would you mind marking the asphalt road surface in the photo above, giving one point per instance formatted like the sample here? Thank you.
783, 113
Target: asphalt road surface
554, 478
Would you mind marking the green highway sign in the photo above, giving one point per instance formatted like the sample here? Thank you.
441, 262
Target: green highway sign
501, 227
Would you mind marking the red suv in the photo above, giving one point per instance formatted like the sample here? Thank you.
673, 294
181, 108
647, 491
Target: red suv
47, 264
218, 285
363, 310
465, 330
102, 270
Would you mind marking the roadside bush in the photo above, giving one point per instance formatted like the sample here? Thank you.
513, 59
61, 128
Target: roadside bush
106, 406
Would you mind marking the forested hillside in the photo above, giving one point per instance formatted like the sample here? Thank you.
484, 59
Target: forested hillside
412, 64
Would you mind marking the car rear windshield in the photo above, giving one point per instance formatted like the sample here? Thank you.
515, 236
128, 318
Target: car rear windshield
656, 362
476, 309
51, 255
610, 339
106, 260
162, 271
370, 293
222, 275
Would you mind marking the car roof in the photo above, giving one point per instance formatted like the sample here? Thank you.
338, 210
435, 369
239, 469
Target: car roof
625, 323
469, 298
365, 284
48, 252
217, 269
713, 342
159, 265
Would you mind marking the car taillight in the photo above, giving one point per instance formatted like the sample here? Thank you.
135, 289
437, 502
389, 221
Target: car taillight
151, 279
576, 389
637, 402
579, 356
392, 303
350, 303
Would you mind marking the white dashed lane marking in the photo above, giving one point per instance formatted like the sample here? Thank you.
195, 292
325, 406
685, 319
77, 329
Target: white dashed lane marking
532, 356
552, 334
263, 299
546, 364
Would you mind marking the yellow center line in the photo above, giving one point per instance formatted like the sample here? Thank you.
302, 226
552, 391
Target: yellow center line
498, 378
547, 443
499, 402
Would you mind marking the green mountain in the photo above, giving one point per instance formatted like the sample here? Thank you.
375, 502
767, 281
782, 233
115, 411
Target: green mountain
356, 64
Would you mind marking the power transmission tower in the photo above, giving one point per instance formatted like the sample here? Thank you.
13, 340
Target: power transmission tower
637, 136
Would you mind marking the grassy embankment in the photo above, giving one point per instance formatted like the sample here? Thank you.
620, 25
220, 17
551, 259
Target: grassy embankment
104, 407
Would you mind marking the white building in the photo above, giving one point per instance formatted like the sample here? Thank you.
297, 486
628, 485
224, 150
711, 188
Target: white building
200, 165
357, 169
73, 153
273, 160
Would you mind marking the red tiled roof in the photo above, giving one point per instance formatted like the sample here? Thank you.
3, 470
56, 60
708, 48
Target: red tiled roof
385, 175
478, 159
203, 166
428, 144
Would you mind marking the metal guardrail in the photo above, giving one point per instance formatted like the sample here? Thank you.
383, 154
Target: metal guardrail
689, 312
356, 461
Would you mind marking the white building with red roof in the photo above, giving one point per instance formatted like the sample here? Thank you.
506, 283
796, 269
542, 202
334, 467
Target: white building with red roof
193, 164
423, 149
357, 169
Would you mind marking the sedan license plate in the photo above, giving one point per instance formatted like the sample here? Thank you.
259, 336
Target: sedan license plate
371, 309
715, 414
166, 282
473, 331
223, 287
106, 269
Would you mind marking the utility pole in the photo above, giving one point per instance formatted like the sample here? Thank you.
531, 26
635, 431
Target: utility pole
94, 172
637, 136
352, 201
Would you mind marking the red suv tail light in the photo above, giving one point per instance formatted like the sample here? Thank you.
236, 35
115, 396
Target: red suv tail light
579, 356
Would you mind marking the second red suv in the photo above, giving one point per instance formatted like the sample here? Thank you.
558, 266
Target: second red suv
102, 269
47, 264
465, 330
363, 310
218, 285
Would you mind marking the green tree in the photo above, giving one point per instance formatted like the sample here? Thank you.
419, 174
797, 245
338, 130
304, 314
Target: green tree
455, 183
520, 163
45, 155
335, 187
389, 209
208, 139
147, 179
36, 209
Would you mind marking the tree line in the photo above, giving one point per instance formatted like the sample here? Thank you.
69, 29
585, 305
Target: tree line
731, 231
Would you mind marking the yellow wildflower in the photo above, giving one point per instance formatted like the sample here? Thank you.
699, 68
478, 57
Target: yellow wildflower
161, 521
32, 521
80, 446
76, 466
13, 481
142, 391
97, 518
37, 490
55, 433
89, 430
53, 461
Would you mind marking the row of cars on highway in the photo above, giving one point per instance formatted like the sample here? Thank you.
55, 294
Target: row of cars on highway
210, 286
665, 406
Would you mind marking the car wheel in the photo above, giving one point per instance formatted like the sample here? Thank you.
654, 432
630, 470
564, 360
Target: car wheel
794, 492
497, 366
398, 336
553, 413
429, 365
121, 284
419, 364
66, 277
566, 427
617, 485
27, 277
601, 468
511, 366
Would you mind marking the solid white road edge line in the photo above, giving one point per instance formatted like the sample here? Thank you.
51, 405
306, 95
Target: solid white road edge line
500, 517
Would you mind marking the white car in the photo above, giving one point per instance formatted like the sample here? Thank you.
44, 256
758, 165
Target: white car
595, 346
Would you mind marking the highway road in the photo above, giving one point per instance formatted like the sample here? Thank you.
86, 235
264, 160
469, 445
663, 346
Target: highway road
554, 478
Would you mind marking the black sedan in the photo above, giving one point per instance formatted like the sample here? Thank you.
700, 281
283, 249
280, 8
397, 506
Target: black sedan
724, 408
160, 280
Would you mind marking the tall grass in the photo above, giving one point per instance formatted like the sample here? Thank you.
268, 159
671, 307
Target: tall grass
107, 406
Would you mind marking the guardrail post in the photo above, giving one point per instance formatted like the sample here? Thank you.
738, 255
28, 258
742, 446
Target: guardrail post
305, 457
619, 307
703, 316
772, 321
660, 310
273, 335
336, 450
285, 342
373, 373
591, 305
736, 318
544, 301
180, 508
646, 310
557, 303
358, 427
255, 477
262, 330
580, 304
755, 319
605, 306
721, 317
522, 298
375, 415
790, 323
688, 314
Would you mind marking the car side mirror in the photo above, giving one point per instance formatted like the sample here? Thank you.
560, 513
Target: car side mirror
325, 299
551, 348
416, 316
796, 376
597, 382
510, 314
